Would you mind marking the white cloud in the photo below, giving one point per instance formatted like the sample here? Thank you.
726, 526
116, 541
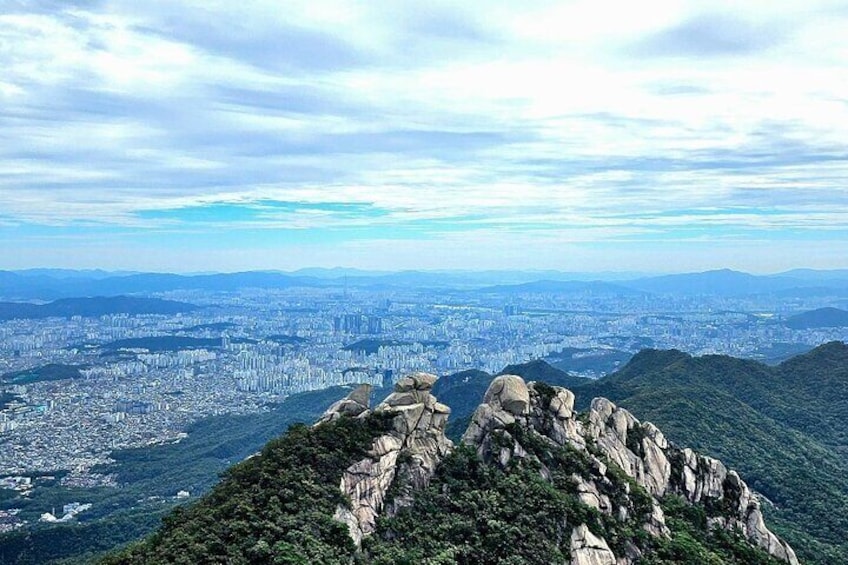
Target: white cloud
621, 118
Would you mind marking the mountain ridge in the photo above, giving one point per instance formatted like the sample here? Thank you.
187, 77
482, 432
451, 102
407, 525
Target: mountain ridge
827, 317
783, 427
50, 284
407, 494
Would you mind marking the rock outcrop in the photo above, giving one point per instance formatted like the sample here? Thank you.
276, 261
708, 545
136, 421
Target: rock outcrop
645, 454
516, 421
589, 549
609, 434
354, 404
400, 461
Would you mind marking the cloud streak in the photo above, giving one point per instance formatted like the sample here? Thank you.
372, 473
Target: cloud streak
414, 123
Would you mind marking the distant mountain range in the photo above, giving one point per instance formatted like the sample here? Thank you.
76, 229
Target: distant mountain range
48, 284
583, 288
721, 283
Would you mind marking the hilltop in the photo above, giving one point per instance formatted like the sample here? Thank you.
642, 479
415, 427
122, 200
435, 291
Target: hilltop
783, 427
820, 318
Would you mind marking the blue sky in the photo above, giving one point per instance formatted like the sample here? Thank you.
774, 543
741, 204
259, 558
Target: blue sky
575, 135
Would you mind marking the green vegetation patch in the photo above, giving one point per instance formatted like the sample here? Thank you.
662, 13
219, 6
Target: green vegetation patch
371, 346
276, 507
127, 513
51, 372
693, 542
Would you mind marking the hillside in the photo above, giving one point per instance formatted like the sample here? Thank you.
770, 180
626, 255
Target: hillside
92, 307
725, 282
580, 288
50, 372
149, 479
532, 482
820, 318
783, 427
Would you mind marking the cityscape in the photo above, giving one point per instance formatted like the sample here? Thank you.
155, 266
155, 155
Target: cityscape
76, 389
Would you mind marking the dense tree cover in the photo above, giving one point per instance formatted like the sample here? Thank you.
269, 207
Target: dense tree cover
50, 372
95, 306
694, 543
75, 543
783, 428
598, 361
276, 507
370, 346
475, 512
780, 427
7, 398
821, 318
542, 371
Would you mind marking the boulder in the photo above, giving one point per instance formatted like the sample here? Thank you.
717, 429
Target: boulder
510, 393
354, 404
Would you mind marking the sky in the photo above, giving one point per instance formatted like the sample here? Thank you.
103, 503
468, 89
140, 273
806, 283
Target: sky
655, 136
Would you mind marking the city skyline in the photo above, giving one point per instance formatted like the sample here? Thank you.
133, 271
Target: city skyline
579, 136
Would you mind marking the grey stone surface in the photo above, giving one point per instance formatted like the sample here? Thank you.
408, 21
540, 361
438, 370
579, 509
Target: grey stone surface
416, 438
416, 444
639, 449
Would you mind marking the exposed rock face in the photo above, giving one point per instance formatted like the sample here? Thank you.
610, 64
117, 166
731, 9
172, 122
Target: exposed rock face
589, 549
644, 453
509, 393
640, 450
403, 459
608, 429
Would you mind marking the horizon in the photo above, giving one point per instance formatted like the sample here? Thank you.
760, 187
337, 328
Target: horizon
570, 137
353, 271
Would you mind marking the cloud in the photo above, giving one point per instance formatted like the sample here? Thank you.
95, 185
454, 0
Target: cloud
712, 35
330, 122
281, 48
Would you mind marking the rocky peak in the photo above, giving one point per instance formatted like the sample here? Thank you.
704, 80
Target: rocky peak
609, 435
509, 400
399, 461
642, 451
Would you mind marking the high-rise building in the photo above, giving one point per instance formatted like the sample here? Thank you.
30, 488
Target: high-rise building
375, 325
